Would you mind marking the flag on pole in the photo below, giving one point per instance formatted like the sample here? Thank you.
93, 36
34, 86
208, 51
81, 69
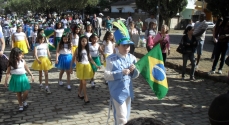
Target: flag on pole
152, 68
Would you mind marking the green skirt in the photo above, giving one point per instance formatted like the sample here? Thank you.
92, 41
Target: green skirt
19, 83
97, 62
56, 42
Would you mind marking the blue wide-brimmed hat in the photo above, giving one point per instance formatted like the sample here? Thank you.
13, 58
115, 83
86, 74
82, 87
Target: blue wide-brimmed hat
122, 34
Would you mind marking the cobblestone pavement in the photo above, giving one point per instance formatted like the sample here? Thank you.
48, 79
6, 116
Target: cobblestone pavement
186, 103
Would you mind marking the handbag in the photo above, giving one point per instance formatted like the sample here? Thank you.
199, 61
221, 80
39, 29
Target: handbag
180, 48
227, 61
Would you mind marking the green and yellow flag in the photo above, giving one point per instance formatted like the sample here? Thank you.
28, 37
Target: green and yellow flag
152, 68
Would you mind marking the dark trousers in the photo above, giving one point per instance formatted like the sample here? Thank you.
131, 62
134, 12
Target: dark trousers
213, 52
98, 31
164, 55
132, 48
191, 57
1, 72
221, 50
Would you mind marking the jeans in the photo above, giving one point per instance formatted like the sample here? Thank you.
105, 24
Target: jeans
98, 32
1, 72
221, 49
191, 57
164, 55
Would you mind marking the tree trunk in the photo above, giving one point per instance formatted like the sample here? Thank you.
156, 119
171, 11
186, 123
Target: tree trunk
167, 22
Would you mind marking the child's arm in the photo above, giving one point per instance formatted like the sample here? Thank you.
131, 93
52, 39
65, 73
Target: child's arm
93, 62
27, 69
73, 59
57, 53
49, 55
7, 76
13, 40
27, 43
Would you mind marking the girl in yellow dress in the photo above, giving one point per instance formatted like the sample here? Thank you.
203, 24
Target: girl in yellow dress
19, 40
74, 38
43, 60
83, 67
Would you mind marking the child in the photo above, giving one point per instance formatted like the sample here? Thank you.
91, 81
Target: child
108, 46
28, 33
19, 40
42, 62
34, 35
58, 32
83, 69
19, 82
64, 59
89, 31
74, 38
95, 49
6, 32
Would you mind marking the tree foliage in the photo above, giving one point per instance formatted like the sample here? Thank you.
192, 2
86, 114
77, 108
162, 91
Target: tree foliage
218, 7
149, 6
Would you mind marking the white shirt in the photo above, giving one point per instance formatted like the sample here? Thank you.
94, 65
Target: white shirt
75, 41
84, 59
20, 68
13, 30
109, 47
42, 50
87, 34
19, 36
34, 35
65, 50
59, 32
94, 50
65, 22
148, 20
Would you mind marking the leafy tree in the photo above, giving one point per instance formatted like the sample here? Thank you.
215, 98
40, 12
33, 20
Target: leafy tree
149, 6
218, 7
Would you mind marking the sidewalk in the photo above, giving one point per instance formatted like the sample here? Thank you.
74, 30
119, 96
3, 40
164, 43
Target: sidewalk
174, 60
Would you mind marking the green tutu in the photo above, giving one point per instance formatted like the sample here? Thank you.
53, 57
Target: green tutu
19, 83
97, 62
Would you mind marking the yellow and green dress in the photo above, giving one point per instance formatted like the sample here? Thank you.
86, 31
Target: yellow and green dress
94, 52
83, 67
20, 41
108, 49
75, 41
42, 53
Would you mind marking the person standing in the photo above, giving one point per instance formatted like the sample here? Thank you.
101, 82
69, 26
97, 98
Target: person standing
108, 24
2, 48
200, 28
150, 19
139, 25
134, 36
119, 72
98, 25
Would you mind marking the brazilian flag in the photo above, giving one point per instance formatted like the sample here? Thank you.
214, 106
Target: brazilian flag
50, 36
152, 68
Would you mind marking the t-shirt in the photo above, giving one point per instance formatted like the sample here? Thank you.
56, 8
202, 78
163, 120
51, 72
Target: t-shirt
59, 32
34, 36
13, 30
148, 20
19, 36
75, 41
84, 59
42, 50
65, 50
198, 27
20, 68
94, 50
88, 34
65, 22
109, 47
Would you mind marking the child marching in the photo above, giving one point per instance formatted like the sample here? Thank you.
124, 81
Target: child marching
95, 49
43, 60
58, 32
83, 67
64, 59
19, 82
89, 31
75, 37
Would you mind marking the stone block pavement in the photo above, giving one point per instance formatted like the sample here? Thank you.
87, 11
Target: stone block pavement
186, 103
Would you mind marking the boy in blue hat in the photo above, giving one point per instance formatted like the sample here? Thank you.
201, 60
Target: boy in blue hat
119, 72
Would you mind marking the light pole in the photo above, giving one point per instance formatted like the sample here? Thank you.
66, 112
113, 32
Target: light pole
202, 5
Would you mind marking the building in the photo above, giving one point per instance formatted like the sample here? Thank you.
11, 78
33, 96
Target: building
124, 6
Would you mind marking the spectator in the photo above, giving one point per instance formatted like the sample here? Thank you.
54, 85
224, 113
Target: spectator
190, 44
200, 28
108, 24
139, 25
150, 19
86, 21
129, 19
221, 46
150, 33
98, 25
2, 48
190, 24
163, 38
133, 37
144, 121
218, 112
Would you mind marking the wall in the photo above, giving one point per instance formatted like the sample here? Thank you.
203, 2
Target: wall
126, 9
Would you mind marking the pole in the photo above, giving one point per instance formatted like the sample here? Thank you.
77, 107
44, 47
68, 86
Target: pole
203, 5
158, 13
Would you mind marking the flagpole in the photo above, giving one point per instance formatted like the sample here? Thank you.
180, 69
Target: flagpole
158, 11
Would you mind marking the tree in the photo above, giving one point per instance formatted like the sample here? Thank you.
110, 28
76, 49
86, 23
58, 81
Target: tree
218, 7
168, 8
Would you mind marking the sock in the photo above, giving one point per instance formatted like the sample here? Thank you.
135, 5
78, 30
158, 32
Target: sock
25, 103
47, 87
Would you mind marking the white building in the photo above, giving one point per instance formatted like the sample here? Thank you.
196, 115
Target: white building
124, 6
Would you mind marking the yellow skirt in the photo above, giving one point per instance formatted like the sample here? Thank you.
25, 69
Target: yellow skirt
74, 49
104, 63
21, 45
45, 65
84, 71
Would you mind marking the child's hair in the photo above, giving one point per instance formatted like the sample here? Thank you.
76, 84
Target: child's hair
61, 44
13, 59
56, 26
74, 29
106, 36
39, 31
144, 121
91, 28
34, 28
187, 29
40, 36
92, 36
80, 48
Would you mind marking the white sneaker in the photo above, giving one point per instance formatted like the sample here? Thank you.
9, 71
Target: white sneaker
61, 83
220, 72
69, 87
25, 104
211, 72
48, 91
41, 87
92, 84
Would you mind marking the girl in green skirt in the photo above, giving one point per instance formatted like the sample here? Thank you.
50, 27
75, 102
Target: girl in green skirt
19, 82
58, 32
94, 49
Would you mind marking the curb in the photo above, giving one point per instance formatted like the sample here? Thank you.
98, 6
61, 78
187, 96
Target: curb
198, 73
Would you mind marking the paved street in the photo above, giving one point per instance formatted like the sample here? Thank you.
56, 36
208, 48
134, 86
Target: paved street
186, 103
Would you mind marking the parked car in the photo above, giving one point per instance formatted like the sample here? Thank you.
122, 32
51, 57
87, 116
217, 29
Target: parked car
210, 25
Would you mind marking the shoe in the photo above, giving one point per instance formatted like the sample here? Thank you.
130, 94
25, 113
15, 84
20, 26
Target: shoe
41, 87
196, 67
80, 97
61, 83
25, 105
182, 78
92, 84
69, 87
21, 109
106, 82
211, 72
220, 72
86, 102
192, 78
48, 91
